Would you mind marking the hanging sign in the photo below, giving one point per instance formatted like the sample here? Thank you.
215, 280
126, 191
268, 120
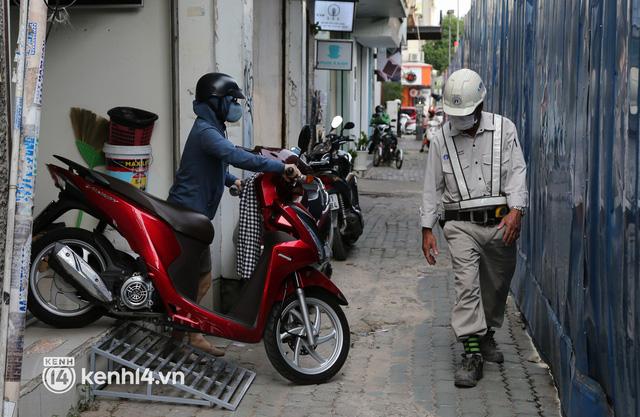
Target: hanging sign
332, 54
412, 76
335, 16
389, 64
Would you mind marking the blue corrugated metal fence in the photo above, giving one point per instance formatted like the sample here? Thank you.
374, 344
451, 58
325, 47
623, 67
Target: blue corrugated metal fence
566, 72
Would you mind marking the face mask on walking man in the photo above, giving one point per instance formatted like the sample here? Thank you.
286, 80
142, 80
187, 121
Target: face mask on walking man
476, 170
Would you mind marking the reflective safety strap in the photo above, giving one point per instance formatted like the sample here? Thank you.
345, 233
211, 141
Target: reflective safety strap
497, 156
456, 166
477, 203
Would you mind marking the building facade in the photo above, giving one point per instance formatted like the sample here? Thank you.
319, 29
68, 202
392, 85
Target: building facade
150, 57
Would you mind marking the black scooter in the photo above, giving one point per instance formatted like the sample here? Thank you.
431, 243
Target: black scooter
334, 168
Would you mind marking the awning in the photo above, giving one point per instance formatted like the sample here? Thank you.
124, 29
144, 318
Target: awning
379, 32
427, 33
381, 8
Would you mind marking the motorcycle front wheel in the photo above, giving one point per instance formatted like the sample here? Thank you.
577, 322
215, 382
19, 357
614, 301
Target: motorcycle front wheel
285, 339
376, 157
338, 246
399, 158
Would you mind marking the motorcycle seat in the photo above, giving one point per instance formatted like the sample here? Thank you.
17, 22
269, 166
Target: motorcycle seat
183, 220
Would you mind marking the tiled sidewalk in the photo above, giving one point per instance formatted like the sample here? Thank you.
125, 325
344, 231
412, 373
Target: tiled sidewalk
403, 352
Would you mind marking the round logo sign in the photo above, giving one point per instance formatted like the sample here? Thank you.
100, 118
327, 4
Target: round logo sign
410, 77
58, 378
457, 100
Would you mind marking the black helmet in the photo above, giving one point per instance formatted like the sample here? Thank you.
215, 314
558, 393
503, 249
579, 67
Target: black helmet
379, 109
217, 84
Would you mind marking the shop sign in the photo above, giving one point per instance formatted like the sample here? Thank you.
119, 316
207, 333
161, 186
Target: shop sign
334, 54
411, 76
335, 16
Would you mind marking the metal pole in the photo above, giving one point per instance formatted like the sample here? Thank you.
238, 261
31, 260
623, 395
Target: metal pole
29, 83
175, 83
11, 205
5, 125
458, 24
449, 61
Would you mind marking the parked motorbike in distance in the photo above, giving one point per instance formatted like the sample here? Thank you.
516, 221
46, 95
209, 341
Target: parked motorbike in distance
77, 275
334, 167
409, 126
387, 149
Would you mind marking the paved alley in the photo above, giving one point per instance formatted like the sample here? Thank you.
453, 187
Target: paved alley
403, 351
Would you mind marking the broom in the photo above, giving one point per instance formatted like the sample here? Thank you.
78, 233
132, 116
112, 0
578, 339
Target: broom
91, 132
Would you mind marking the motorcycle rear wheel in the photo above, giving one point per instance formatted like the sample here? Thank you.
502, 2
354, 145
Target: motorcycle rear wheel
286, 343
50, 311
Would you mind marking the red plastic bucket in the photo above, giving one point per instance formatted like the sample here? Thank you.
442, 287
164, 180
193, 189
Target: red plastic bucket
130, 126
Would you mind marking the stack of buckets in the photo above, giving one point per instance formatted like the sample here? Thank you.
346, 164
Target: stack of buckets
128, 153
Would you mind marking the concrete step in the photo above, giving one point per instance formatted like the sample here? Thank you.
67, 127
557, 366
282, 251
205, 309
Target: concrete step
43, 341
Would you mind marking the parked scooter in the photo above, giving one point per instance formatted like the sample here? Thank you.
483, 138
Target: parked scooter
405, 120
387, 149
77, 275
410, 127
334, 167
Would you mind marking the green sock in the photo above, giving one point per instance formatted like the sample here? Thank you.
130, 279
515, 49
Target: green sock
471, 345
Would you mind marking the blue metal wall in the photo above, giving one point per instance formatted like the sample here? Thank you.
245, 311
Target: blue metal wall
565, 71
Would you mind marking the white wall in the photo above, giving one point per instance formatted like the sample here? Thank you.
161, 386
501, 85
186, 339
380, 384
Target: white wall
103, 60
295, 68
268, 65
233, 53
196, 57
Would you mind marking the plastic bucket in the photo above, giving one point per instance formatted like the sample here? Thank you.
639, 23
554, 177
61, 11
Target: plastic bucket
130, 126
128, 163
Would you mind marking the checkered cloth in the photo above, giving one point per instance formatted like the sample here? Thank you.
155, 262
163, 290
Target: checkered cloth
249, 247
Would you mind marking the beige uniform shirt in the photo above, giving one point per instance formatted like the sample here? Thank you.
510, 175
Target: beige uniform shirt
475, 157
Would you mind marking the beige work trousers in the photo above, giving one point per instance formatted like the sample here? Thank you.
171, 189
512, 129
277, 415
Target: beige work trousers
483, 266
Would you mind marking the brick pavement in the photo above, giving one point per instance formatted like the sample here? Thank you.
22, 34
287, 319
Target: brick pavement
412, 168
403, 352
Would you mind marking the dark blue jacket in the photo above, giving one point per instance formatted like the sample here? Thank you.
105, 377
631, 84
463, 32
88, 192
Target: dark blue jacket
203, 173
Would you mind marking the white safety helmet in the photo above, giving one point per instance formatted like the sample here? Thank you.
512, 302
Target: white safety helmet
463, 92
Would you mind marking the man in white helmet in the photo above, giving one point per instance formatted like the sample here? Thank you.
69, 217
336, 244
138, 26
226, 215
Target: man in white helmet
476, 170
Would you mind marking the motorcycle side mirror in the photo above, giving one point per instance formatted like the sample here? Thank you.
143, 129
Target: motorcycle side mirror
336, 122
304, 139
349, 125
296, 150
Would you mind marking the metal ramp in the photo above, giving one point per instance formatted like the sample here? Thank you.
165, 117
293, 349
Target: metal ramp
207, 380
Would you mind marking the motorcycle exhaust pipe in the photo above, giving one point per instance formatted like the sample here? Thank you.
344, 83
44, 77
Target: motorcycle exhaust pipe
80, 272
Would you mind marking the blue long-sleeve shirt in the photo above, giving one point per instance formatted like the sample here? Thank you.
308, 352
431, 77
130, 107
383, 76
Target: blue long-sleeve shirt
203, 173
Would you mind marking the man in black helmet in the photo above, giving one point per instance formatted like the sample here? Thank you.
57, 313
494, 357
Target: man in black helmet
203, 173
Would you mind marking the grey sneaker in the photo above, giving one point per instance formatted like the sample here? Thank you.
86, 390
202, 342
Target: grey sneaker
489, 348
469, 371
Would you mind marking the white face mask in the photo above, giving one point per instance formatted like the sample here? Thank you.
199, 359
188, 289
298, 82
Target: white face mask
462, 123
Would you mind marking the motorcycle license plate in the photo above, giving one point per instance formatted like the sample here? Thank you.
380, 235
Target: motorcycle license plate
333, 202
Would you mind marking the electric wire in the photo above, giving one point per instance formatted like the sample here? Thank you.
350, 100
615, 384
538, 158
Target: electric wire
55, 12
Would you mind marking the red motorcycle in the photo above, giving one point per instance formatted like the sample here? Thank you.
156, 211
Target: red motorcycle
77, 275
